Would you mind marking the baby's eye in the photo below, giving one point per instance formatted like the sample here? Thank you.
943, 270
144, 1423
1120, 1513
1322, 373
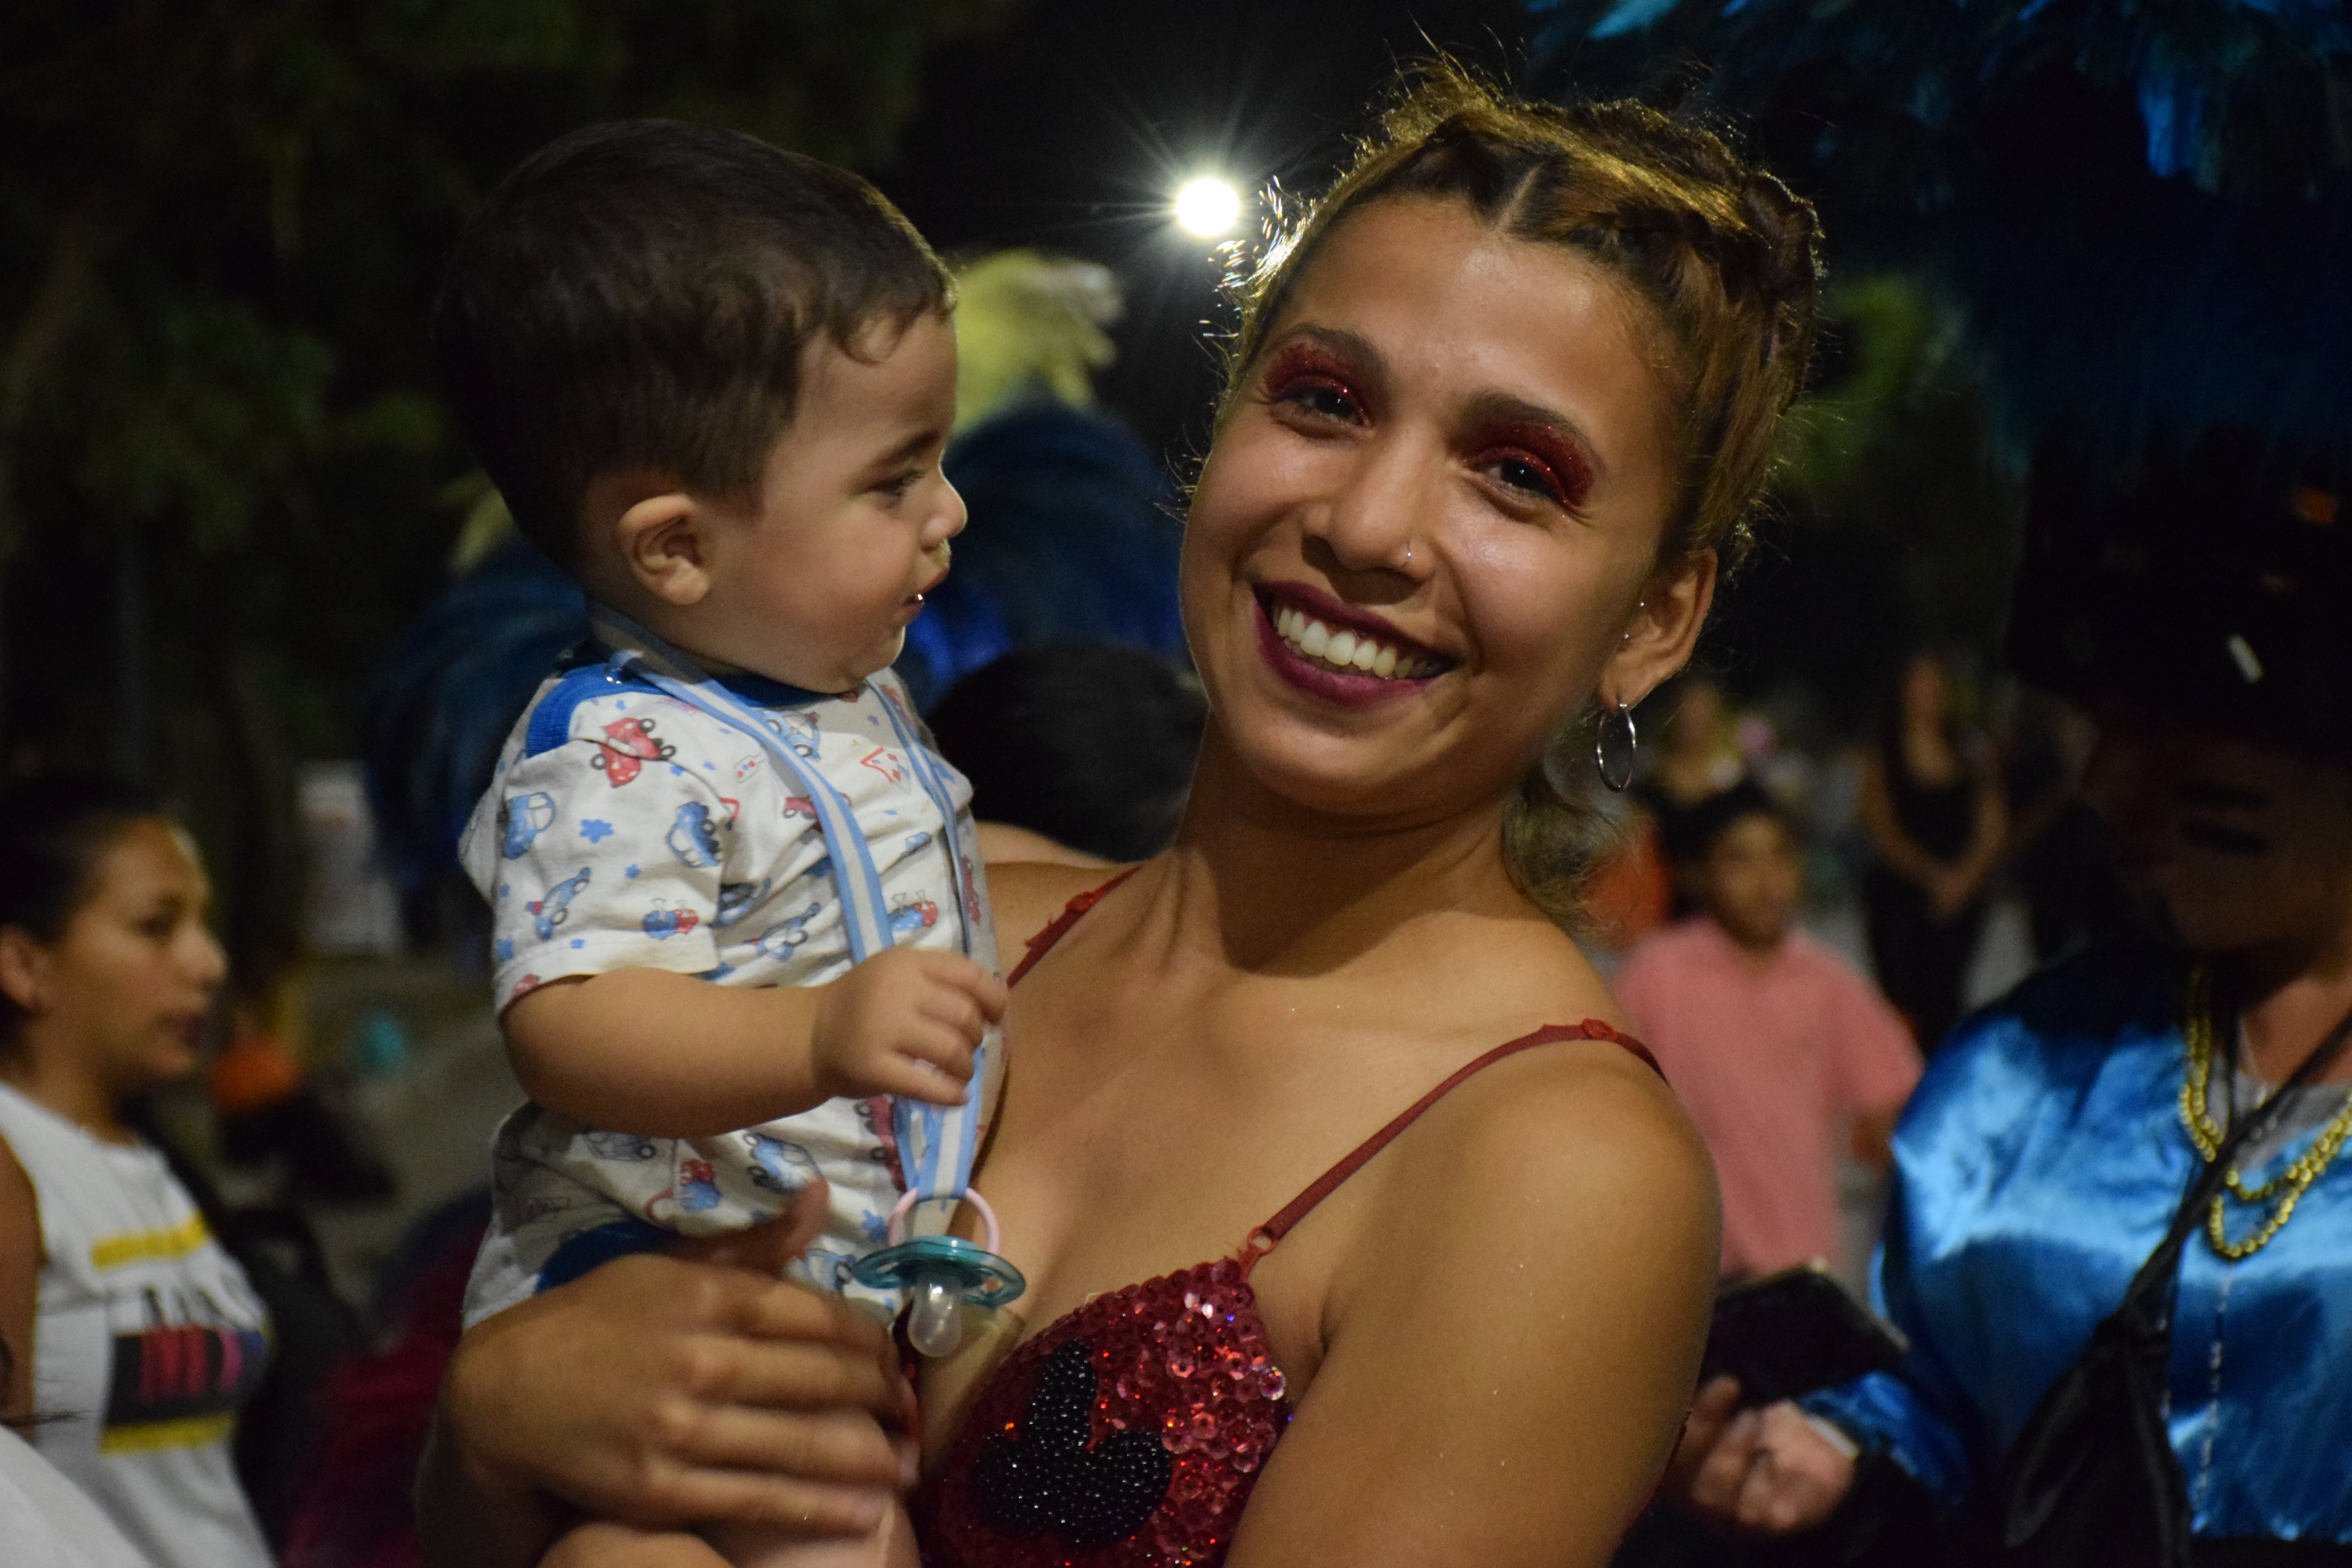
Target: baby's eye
898, 485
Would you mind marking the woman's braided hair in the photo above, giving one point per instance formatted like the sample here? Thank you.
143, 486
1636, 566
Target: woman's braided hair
1725, 256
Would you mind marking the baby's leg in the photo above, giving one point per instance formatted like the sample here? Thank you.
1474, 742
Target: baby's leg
892, 1546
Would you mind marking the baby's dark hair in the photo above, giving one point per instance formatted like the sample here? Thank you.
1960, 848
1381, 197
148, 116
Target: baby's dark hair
638, 294
54, 830
1720, 813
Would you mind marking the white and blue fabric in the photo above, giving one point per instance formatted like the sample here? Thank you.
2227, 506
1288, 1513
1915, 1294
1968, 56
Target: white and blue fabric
647, 816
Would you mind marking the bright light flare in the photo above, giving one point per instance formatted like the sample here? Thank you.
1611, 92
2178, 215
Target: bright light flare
1206, 206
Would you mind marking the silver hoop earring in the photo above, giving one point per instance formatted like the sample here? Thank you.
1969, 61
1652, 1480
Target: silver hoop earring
1613, 745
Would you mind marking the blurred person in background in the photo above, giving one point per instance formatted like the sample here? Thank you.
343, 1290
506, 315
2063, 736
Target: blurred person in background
1080, 752
1698, 760
145, 1336
1934, 813
2196, 598
1779, 1049
2058, 851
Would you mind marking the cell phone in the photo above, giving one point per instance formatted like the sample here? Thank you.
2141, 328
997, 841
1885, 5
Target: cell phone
1788, 1334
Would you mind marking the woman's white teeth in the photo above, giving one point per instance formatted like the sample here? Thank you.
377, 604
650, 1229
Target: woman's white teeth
1348, 650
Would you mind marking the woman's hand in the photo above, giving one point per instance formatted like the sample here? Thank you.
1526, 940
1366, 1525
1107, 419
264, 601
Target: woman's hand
1756, 1472
667, 1390
1950, 889
602, 1544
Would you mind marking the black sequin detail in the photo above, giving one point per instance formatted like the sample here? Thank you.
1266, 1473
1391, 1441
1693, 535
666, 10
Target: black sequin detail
1048, 1479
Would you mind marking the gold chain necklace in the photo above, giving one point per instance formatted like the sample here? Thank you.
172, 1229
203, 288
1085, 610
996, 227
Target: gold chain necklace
2288, 1186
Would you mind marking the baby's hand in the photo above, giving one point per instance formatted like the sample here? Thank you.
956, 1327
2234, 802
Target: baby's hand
905, 1022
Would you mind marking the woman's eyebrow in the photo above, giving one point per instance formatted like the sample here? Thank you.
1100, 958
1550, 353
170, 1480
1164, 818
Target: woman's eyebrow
1341, 344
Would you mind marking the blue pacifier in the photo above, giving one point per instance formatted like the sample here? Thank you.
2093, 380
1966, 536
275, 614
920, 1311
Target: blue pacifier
942, 1273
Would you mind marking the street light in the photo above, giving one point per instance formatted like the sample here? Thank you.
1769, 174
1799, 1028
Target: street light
1206, 207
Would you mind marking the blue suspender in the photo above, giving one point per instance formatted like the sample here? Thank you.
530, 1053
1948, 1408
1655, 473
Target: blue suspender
932, 1139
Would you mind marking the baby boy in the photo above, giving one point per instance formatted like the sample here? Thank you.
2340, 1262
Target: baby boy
712, 381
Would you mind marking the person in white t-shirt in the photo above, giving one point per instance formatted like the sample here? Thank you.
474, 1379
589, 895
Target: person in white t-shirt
52, 1522
145, 1339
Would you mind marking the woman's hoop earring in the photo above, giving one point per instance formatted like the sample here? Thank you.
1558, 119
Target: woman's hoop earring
1613, 745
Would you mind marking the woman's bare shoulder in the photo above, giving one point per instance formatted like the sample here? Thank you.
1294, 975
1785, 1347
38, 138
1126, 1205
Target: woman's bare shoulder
1578, 1144
1526, 1292
1533, 971
1024, 896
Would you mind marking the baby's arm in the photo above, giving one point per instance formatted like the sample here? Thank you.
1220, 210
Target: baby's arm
607, 852
671, 1056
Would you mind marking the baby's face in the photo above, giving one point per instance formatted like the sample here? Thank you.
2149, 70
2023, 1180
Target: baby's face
814, 586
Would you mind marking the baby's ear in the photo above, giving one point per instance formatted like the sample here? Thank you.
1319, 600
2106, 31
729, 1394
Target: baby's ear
665, 541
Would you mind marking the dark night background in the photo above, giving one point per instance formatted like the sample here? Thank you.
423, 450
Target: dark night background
226, 482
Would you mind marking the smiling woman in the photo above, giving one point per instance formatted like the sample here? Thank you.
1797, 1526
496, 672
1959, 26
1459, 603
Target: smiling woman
1496, 408
1685, 278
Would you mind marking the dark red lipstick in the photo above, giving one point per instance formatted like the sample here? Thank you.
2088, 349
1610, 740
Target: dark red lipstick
1353, 688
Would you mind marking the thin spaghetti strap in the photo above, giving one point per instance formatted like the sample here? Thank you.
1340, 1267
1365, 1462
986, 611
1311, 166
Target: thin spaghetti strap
1043, 942
1264, 1239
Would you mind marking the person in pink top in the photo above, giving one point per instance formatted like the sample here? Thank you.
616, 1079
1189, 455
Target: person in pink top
1777, 1045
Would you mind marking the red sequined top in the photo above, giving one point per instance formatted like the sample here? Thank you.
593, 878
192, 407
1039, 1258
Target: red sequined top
1128, 1434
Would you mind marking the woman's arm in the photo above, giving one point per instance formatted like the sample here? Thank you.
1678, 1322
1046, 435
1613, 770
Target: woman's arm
1897, 850
1511, 1348
660, 1391
20, 1281
1986, 838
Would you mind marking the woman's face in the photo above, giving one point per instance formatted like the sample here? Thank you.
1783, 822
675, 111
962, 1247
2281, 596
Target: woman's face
1922, 691
2244, 847
128, 985
1698, 725
1429, 519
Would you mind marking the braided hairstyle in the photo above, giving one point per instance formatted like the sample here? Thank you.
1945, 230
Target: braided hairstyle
1726, 258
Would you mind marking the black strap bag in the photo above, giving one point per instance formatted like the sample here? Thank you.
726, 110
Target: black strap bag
2092, 1478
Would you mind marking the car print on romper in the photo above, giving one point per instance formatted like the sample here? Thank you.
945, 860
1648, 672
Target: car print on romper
555, 907
521, 819
628, 745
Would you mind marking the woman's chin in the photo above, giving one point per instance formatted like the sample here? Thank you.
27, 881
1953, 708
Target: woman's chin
170, 1060
1368, 778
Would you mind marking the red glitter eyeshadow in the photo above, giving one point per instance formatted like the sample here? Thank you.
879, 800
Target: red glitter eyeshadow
1558, 456
1300, 364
